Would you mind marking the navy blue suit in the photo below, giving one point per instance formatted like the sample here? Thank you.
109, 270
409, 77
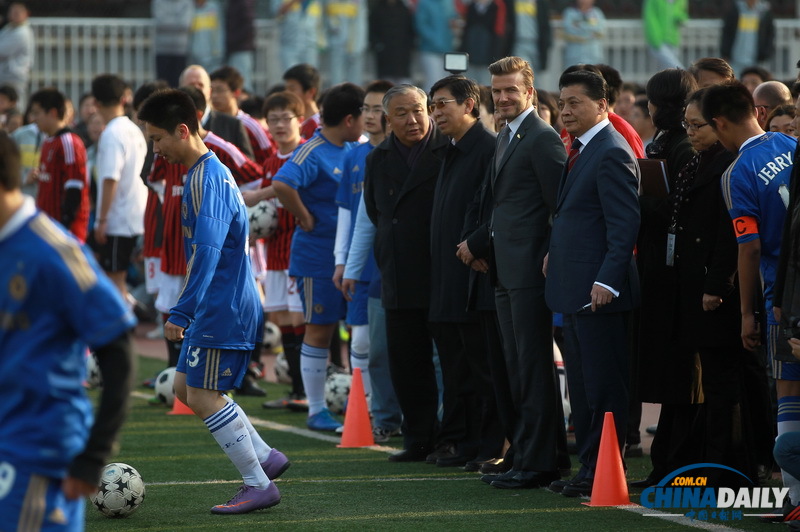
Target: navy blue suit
592, 240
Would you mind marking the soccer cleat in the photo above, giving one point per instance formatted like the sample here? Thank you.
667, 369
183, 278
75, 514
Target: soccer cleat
323, 420
249, 498
275, 465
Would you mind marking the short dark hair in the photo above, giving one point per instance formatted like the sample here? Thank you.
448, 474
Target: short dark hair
696, 98
341, 100
144, 91
169, 108
461, 88
284, 100
667, 90
486, 98
548, 100
108, 89
717, 65
594, 85
50, 98
278, 87
253, 106
731, 101
642, 104
761, 72
232, 77
10, 92
613, 80
304, 74
10, 177
781, 110
379, 85
196, 95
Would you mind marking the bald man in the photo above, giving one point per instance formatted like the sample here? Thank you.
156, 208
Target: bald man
769, 95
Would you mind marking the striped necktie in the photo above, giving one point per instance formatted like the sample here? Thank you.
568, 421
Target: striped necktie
574, 152
502, 143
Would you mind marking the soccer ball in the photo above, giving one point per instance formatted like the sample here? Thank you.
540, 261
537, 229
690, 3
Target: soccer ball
165, 386
337, 389
121, 491
272, 335
263, 218
282, 369
94, 379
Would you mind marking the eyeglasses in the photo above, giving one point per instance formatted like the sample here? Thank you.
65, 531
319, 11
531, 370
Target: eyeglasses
693, 127
275, 120
376, 109
439, 104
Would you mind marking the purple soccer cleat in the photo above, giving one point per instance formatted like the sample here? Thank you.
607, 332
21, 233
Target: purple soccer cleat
275, 465
248, 499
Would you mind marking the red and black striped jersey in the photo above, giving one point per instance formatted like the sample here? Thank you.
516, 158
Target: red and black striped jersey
260, 140
279, 243
243, 169
173, 256
62, 166
310, 125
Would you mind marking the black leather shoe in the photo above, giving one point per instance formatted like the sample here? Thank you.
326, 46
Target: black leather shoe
496, 466
249, 387
645, 483
502, 476
453, 461
582, 488
527, 480
414, 454
443, 450
558, 486
475, 465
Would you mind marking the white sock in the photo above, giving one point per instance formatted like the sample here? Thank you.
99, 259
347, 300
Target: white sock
789, 421
359, 354
228, 428
313, 366
259, 445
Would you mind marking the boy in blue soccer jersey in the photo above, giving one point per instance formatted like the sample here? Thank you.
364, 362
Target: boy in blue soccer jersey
218, 316
756, 191
306, 186
51, 454
347, 198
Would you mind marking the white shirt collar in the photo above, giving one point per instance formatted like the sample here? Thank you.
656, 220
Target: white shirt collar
587, 137
514, 124
18, 219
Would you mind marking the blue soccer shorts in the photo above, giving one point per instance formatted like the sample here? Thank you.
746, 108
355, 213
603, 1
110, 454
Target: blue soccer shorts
323, 304
213, 369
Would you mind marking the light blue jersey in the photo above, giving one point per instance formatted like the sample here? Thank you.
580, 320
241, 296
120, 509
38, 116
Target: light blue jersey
314, 171
54, 302
349, 195
219, 304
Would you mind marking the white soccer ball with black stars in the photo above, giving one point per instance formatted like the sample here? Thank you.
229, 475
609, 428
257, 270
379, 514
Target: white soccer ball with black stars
282, 369
165, 386
337, 389
94, 379
272, 335
121, 490
263, 219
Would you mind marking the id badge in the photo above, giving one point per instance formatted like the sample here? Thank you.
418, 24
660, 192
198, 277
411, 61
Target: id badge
670, 249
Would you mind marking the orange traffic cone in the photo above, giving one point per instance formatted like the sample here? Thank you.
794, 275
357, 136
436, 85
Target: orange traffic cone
357, 427
179, 408
609, 488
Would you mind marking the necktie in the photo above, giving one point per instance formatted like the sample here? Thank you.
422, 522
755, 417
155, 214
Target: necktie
574, 152
502, 144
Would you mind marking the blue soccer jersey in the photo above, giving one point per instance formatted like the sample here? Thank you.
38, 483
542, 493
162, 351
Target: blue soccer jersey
54, 302
315, 171
350, 191
219, 304
756, 191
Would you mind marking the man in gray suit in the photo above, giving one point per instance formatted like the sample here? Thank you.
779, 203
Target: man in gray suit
524, 177
591, 276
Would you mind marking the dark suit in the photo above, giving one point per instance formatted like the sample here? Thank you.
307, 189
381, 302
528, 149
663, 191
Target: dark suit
399, 201
525, 185
594, 233
231, 129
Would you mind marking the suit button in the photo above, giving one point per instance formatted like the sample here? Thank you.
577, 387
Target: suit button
394, 220
556, 215
697, 240
391, 192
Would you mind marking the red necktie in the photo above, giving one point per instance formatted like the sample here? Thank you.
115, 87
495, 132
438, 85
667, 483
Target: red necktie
574, 152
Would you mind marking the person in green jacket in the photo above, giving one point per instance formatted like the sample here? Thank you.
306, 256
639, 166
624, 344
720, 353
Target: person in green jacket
662, 30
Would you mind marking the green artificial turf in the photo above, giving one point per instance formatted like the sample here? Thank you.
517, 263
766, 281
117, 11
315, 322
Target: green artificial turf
333, 489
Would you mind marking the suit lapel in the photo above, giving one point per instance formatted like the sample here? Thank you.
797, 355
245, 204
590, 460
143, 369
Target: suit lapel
430, 156
568, 178
513, 143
